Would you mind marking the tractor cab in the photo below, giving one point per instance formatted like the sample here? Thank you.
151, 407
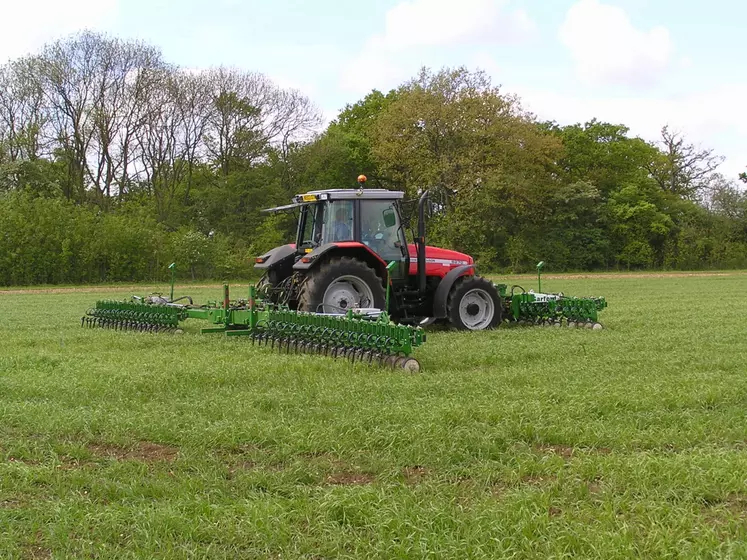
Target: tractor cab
362, 223
367, 216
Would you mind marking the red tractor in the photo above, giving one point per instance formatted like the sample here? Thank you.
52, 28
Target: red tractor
351, 242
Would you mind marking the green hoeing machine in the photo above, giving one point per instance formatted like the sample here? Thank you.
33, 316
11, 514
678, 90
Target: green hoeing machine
555, 310
364, 335
352, 286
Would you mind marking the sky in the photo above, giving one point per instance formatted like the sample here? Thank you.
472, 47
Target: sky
641, 63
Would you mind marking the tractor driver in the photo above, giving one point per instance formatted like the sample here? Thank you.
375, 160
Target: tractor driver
340, 228
375, 233
369, 229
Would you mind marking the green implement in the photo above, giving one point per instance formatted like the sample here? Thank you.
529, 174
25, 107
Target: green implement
537, 308
364, 335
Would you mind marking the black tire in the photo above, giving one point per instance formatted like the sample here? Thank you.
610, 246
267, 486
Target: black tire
472, 286
326, 273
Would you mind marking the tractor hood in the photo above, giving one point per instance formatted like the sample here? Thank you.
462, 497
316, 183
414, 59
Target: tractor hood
438, 262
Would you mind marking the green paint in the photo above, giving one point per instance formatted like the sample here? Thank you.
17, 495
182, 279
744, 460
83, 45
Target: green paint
265, 322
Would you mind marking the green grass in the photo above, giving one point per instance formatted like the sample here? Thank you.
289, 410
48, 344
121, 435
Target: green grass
521, 443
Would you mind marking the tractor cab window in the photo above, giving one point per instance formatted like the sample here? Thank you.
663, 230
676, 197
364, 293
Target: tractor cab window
380, 229
311, 221
338, 221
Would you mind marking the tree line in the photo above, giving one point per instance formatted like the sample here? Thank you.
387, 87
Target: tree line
114, 163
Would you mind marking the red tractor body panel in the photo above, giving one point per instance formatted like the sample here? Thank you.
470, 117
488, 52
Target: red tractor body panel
438, 262
359, 245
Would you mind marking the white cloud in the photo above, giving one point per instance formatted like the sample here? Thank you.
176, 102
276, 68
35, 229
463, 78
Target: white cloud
29, 24
411, 25
418, 23
711, 118
607, 48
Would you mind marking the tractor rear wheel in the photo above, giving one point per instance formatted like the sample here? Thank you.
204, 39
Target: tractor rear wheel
340, 284
474, 304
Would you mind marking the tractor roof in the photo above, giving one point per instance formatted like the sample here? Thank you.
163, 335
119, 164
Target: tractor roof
312, 197
347, 194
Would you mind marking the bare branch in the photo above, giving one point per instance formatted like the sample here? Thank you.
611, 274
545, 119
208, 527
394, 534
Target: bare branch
684, 169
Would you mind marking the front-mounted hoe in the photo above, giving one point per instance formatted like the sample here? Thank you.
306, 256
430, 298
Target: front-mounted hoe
352, 287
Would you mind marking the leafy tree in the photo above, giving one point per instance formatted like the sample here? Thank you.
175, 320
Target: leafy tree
603, 154
449, 130
37, 177
639, 226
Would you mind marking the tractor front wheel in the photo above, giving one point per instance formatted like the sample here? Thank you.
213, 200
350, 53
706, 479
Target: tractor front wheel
341, 284
474, 304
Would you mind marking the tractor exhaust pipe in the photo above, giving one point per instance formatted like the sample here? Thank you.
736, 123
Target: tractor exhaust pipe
420, 241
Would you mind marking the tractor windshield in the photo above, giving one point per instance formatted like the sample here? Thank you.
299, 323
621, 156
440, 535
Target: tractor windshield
380, 229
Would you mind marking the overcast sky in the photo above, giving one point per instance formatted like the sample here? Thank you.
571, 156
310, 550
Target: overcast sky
643, 63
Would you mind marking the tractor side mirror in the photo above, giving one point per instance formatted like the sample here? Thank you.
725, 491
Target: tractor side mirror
390, 218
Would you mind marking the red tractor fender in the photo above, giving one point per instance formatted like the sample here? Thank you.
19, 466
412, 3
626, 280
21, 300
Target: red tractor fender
441, 297
344, 248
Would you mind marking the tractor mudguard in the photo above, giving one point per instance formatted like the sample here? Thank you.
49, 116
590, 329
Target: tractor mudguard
345, 247
273, 257
444, 287
310, 259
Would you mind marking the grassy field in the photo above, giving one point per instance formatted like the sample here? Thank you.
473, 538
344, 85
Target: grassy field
521, 443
